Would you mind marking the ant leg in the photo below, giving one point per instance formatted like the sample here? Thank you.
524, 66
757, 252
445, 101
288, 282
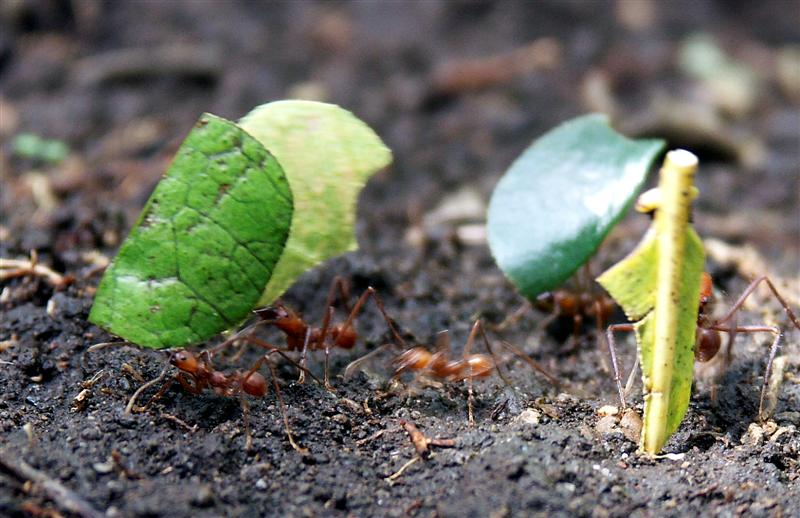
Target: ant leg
284, 414
612, 350
324, 333
370, 292
302, 378
233, 338
574, 340
513, 318
248, 441
631, 376
765, 413
147, 385
340, 285
491, 353
773, 350
750, 288
533, 364
275, 350
600, 325
356, 364
465, 354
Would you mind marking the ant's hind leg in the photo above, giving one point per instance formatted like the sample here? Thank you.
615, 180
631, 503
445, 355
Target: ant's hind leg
764, 410
491, 353
342, 287
371, 292
748, 291
768, 399
612, 350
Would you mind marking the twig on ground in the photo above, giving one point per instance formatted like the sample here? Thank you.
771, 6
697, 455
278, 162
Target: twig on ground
422, 443
180, 422
12, 268
391, 478
57, 492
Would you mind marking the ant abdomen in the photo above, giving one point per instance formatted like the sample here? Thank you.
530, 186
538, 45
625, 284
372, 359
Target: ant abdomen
707, 344
480, 365
255, 385
344, 337
416, 358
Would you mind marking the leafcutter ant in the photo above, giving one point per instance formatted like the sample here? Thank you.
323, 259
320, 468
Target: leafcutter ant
301, 336
196, 372
578, 305
439, 364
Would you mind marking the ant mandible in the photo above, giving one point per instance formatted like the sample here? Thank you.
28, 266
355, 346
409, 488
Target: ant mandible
301, 336
439, 364
197, 373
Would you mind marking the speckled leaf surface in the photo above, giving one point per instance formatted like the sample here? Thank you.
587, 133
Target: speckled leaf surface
560, 198
632, 283
328, 154
205, 244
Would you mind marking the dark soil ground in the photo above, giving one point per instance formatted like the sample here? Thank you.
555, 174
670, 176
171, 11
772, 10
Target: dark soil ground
122, 84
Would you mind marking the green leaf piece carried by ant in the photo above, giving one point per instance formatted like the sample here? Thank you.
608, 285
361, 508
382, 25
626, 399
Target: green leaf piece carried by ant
658, 287
557, 202
211, 243
204, 246
328, 155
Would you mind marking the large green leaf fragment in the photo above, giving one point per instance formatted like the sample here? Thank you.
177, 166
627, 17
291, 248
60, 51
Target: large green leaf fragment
328, 155
632, 282
560, 198
205, 244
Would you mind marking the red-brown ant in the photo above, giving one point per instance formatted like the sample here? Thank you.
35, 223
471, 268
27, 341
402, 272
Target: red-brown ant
301, 336
439, 364
576, 305
708, 343
579, 304
197, 373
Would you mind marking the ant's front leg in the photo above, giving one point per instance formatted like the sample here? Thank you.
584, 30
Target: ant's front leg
179, 377
748, 291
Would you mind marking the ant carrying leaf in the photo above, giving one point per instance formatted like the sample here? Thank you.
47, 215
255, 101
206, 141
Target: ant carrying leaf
661, 286
302, 336
236, 219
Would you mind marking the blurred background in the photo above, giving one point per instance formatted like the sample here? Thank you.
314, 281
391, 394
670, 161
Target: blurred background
96, 96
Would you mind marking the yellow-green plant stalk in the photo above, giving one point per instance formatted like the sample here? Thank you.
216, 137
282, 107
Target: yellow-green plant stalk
658, 287
676, 184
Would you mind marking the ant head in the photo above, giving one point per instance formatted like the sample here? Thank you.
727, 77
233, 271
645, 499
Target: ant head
184, 360
273, 313
546, 301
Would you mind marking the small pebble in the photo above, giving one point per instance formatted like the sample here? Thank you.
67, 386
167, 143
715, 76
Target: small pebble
204, 496
606, 410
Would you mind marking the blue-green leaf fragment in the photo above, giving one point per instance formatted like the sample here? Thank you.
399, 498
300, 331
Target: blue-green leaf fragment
558, 201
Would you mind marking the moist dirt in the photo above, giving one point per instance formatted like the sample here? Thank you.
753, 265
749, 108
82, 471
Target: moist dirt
425, 76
